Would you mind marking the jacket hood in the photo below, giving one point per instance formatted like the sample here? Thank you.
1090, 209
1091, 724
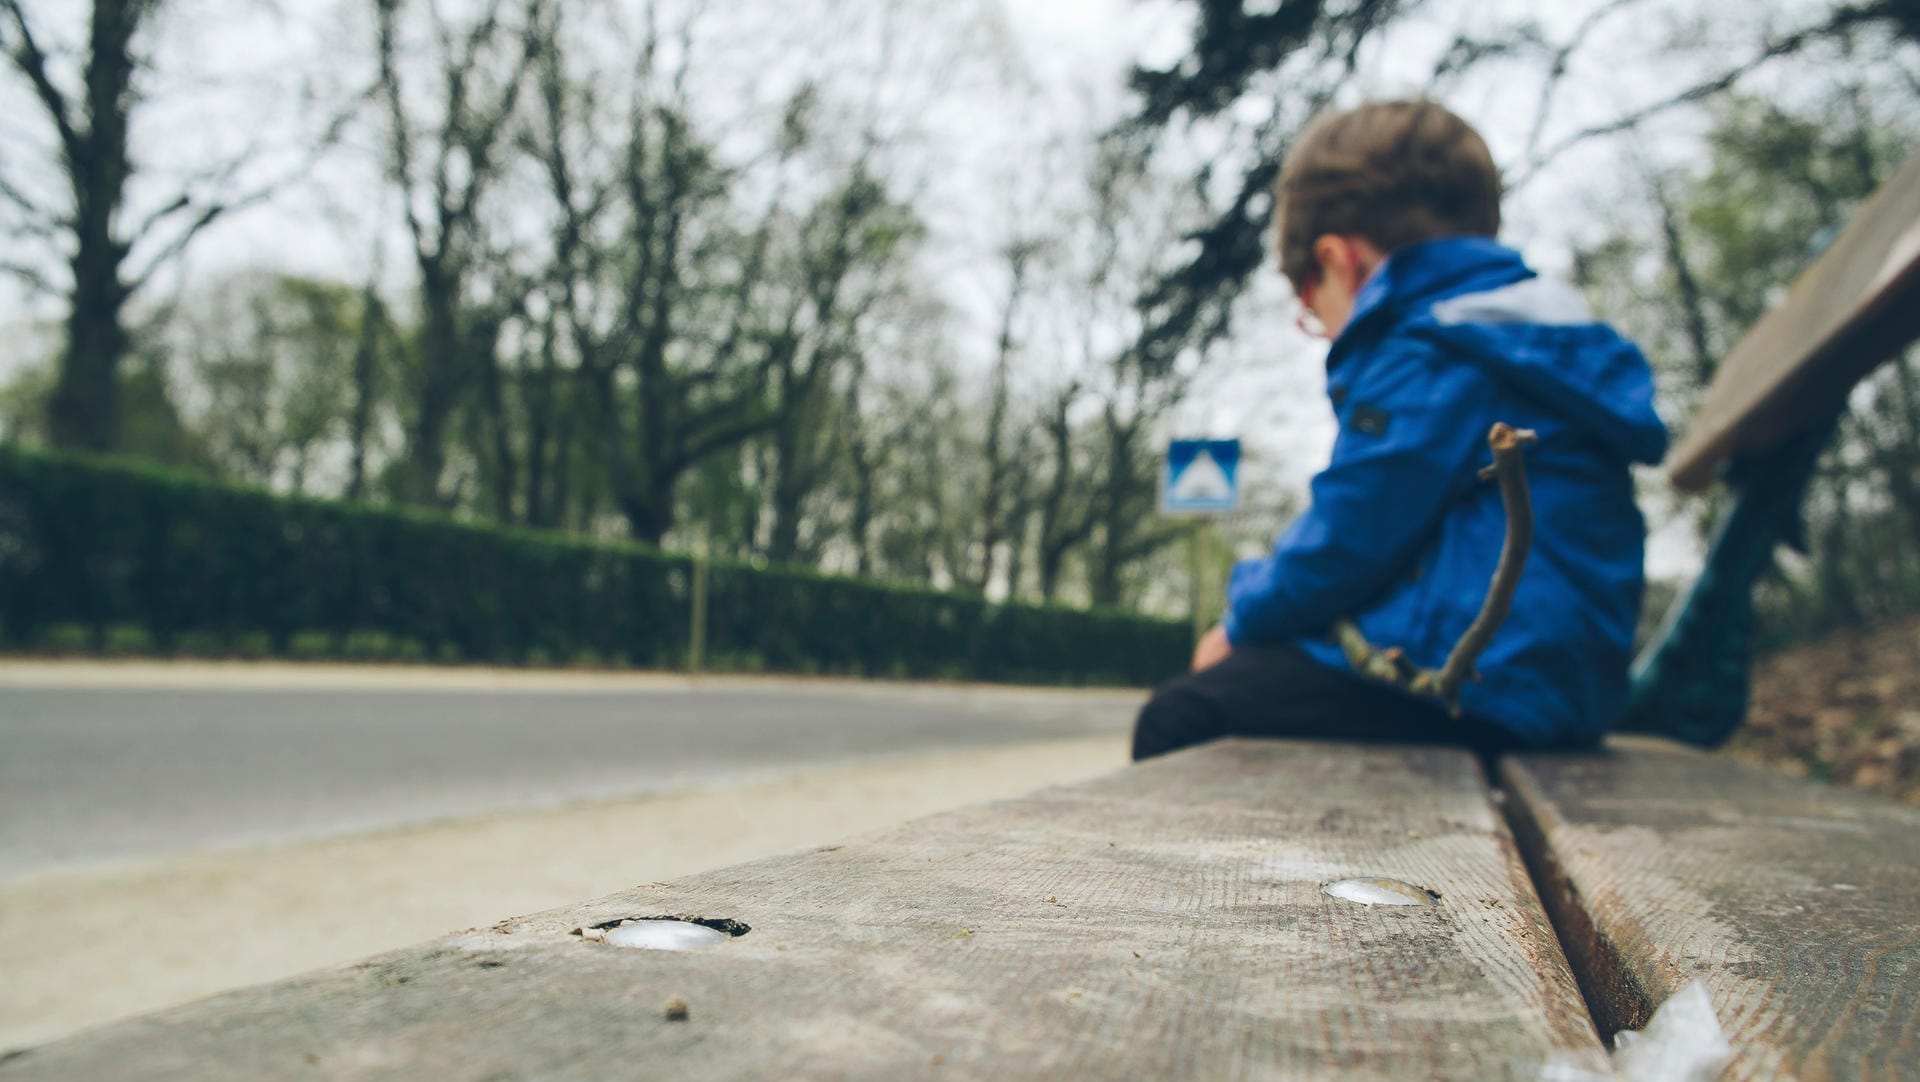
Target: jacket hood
1477, 298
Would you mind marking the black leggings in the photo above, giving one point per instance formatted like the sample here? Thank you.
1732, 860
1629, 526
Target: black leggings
1278, 691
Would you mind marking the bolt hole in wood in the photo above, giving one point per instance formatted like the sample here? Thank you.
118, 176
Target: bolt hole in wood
1381, 892
663, 933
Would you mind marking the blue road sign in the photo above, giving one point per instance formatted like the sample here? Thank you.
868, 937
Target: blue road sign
1202, 477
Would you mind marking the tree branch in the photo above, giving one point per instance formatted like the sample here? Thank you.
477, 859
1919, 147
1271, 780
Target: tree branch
401, 145
1841, 19
1391, 665
1464, 52
31, 276
184, 202
32, 62
482, 141
752, 271
698, 447
212, 211
1557, 68
39, 220
1152, 541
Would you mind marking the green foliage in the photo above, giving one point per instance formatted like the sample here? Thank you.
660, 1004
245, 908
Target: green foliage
137, 556
1782, 181
273, 357
23, 404
1725, 244
150, 424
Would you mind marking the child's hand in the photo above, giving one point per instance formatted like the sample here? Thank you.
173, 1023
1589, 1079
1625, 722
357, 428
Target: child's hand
1213, 648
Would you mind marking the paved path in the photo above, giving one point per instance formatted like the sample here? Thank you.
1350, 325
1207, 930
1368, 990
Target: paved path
114, 762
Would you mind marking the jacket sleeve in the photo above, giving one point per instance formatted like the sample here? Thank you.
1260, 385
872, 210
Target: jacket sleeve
1413, 431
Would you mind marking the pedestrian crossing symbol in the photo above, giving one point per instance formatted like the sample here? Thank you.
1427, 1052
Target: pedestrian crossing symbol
1201, 477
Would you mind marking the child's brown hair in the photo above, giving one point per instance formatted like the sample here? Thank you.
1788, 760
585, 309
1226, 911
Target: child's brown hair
1396, 173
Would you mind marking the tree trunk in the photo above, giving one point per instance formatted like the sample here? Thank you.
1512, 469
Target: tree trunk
506, 479
541, 397
365, 353
84, 411
992, 513
862, 459
566, 446
1834, 581
649, 515
1017, 551
1903, 460
992, 501
1060, 529
1687, 290
789, 489
1114, 525
1052, 562
441, 347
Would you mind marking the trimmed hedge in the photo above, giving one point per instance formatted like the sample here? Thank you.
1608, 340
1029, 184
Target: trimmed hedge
106, 545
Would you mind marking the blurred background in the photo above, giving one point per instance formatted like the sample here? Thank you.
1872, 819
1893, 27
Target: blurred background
514, 345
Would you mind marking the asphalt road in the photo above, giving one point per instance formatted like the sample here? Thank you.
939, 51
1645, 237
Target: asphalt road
91, 773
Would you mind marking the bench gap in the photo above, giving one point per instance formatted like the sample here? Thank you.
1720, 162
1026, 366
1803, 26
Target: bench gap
1614, 1001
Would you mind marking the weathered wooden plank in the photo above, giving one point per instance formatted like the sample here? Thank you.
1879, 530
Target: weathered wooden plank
1168, 921
1798, 904
1855, 307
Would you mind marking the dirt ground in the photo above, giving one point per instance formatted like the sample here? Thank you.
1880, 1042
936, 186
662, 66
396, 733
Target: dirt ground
83, 947
1845, 709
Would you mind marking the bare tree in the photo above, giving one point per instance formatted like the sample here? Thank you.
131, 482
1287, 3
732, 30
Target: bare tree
107, 259
444, 169
647, 265
998, 498
1130, 377
898, 402
847, 247
706, 303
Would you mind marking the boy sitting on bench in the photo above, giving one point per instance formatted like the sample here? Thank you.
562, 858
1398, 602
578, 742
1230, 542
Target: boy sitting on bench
1387, 216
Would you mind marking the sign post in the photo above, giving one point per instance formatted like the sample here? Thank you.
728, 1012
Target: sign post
697, 631
1201, 478
1197, 574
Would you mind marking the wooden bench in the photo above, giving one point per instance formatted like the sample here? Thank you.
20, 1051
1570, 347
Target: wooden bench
1218, 913
1797, 904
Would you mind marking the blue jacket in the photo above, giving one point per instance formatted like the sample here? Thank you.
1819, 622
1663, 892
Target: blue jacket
1446, 338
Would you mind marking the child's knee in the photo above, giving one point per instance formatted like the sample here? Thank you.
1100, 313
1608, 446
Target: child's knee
1172, 719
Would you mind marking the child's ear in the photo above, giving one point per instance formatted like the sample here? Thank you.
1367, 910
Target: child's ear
1346, 260
1339, 263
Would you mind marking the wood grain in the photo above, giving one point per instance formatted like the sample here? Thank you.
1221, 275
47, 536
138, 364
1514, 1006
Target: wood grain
1798, 904
1167, 921
1858, 305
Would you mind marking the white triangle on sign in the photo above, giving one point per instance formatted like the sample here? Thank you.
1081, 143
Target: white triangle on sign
1203, 481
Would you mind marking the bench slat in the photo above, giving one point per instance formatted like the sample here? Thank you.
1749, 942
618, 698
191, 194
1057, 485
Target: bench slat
1798, 904
1167, 921
1855, 307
